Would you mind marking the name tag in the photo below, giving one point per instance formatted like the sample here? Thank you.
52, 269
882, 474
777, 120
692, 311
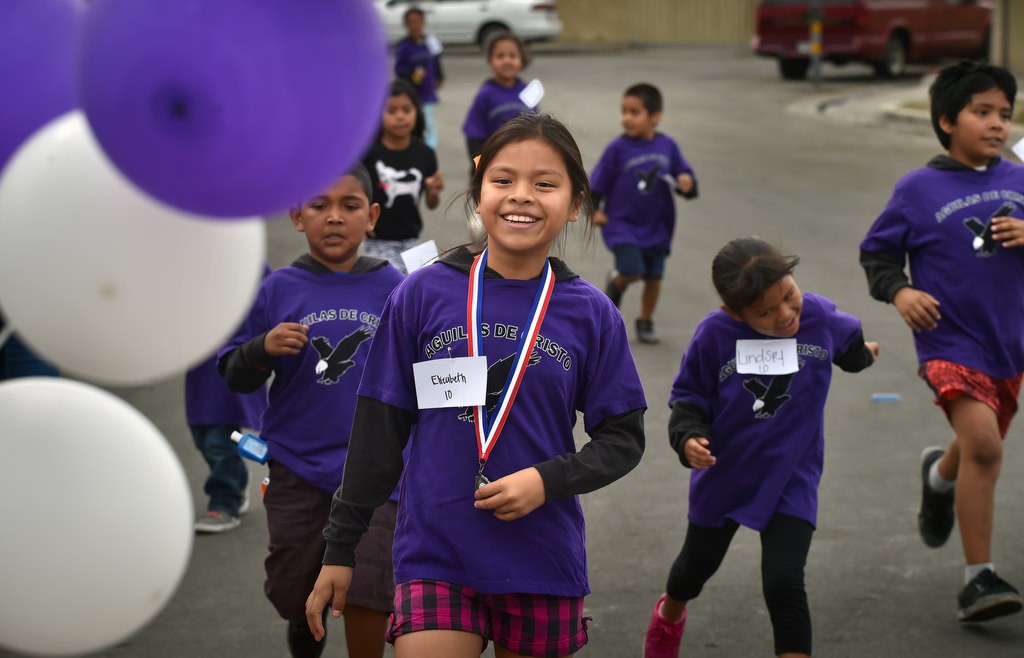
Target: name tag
766, 357
459, 382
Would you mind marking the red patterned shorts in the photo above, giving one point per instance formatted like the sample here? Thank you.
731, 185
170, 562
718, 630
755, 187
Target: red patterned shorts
950, 380
527, 624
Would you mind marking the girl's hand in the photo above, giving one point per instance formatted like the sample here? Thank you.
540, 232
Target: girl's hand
331, 585
873, 346
512, 496
1009, 231
434, 184
286, 339
599, 218
919, 309
685, 183
697, 453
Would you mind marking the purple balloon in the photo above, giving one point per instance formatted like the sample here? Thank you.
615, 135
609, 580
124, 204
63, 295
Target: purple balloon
38, 39
231, 108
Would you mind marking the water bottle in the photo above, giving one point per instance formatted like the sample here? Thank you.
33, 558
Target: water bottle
251, 446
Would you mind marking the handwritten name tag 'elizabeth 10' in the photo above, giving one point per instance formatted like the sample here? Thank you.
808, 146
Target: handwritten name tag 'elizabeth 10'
458, 382
766, 357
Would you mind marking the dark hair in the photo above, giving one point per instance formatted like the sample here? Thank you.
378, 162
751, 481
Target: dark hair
361, 174
648, 94
552, 132
504, 35
746, 268
400, 87
413, 10
956, 84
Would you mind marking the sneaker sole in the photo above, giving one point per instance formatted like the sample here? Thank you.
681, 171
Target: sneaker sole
991, 608
211, 530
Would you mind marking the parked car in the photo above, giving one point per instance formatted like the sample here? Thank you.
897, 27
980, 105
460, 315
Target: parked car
473, 21
884, 33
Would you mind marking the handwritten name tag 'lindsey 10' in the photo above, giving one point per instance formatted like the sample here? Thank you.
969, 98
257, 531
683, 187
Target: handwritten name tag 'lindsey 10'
458, 382
766, 357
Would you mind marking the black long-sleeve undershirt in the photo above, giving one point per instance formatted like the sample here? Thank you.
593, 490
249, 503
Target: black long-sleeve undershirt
374, 465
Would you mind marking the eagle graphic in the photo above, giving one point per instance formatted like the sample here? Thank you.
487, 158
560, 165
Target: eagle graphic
984, 243
768, 399
647, 179
496, 376
335, 361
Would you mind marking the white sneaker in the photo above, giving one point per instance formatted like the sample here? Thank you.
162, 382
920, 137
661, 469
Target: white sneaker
243, 507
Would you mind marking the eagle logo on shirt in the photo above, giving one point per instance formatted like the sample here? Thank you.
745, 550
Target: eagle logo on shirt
497, 375
646, 179
768, 399
984, 242
335, 361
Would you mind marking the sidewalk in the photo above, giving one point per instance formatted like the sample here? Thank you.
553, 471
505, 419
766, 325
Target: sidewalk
902, 107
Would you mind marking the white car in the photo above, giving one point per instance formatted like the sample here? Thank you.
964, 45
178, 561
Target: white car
473, 21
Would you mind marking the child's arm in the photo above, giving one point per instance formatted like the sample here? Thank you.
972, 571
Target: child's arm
689, 432
249, 366
615, 448
373, 467
858, 356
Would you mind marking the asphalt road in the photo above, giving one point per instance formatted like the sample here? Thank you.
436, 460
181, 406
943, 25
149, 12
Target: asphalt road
813, 183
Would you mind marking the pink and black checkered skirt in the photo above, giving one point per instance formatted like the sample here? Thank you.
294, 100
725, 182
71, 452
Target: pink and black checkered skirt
527, 624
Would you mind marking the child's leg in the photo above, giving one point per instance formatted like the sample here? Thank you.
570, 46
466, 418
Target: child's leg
703, 551
654, 271
435, 619
439, 644
652, 289
977, 450
371, 595
296, 514
364, 631
784, 547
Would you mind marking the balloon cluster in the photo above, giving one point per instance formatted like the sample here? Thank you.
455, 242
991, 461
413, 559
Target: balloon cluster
141, 143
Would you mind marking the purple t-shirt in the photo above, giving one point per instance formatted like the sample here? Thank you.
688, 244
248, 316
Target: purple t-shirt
209, 402
493, 106
577, 366
937, 218
313, 394
410, 55
769, 460
639, 204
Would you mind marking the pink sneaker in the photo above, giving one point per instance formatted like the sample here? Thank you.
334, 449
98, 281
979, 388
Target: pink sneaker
663, 637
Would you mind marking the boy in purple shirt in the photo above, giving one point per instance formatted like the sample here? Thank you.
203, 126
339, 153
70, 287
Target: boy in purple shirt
418, 60
311, 327
635, 178
957, 222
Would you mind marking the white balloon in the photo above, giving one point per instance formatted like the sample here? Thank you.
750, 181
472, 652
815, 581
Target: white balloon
104, 281
96, 515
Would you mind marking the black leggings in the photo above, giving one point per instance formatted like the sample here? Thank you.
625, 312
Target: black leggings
784, 546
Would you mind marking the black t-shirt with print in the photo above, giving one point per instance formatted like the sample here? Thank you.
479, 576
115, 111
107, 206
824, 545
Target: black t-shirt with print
398, 185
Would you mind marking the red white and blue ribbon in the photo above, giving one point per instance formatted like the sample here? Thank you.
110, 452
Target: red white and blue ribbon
488, 428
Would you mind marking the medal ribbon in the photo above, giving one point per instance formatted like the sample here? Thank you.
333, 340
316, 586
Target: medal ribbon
488, 428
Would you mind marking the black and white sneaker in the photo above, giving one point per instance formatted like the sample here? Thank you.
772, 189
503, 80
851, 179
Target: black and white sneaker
612, 290
986, 597
645, 332
936, 518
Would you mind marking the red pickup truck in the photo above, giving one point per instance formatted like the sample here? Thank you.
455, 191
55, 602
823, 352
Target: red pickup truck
884, 33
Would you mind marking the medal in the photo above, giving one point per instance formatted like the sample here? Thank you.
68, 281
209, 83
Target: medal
488, 427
